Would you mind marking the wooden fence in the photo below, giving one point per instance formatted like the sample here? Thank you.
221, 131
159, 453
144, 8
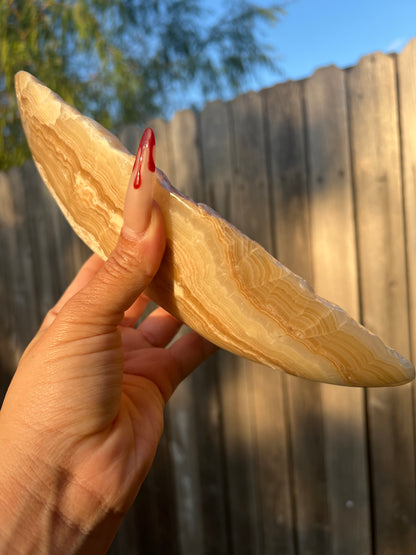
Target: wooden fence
322, 172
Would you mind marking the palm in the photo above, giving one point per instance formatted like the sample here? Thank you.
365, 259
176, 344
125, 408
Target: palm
115, 386
150, 373
129, 440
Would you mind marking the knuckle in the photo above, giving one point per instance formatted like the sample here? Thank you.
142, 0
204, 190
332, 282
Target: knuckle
123, 261
130, 260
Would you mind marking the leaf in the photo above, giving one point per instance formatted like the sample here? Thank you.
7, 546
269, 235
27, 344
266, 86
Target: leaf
127, 60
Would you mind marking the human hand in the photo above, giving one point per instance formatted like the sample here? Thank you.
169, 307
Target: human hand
83, 416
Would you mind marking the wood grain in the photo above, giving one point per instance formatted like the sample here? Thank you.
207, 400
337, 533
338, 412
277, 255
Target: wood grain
377, 175
183, 406
304, 422
251, 197
225, 404
407, 98
291, 238
335, 276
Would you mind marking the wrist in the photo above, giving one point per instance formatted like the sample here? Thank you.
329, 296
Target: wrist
44, 509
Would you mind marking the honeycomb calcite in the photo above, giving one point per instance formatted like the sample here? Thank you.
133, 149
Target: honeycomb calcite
212, 277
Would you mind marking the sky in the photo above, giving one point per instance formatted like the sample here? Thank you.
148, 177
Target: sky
317, 33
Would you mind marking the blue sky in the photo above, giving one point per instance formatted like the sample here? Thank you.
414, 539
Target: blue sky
316, 33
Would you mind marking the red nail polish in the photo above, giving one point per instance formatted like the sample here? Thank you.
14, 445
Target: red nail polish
147, 141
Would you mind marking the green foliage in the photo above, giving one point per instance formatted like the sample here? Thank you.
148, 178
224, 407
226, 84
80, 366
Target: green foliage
125, 60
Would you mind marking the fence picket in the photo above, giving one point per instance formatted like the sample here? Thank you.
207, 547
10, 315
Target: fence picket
335, 278
183, 436
284, 114
377, 175
217, 173
248, 199
407, 95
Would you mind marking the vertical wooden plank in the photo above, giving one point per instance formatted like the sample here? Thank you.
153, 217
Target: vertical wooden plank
250, 206
372, 90
292, 236
36, 252
217, 174
286, 135
216, 156
51, 240
38, 246
19, 310
248, 193
332, 212
258, 420
28, 260
8, 223
130, 137
335, 277
182, 407
208, 422
275, 520
164, 159
407, 92
186, 155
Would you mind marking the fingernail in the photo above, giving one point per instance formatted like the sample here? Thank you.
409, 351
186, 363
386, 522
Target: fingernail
146, 150
139, 197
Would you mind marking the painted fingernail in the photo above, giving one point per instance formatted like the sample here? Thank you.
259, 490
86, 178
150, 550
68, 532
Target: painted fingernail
139, 198
146, 147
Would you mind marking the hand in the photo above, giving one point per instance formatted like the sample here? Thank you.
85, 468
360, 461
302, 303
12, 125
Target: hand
82, 419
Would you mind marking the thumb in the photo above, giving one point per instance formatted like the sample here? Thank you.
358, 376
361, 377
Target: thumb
139, 250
